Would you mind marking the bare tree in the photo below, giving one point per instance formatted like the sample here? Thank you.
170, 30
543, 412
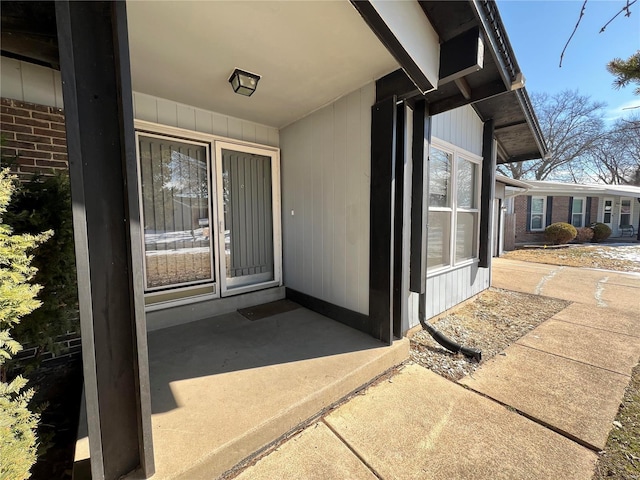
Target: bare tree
615, 159
572, 126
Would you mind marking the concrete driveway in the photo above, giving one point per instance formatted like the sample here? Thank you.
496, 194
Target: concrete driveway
542, 409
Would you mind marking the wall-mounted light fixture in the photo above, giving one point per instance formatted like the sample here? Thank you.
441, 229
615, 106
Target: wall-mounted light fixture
244, 83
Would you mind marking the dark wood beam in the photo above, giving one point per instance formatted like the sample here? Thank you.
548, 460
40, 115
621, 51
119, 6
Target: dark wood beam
401, 126
389, 40
396, 84
479, 93
464, 87
96, 83
461, 56
487, 193
382, 195
419, 197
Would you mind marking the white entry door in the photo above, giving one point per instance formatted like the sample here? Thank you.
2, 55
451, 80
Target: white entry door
607, 212
248, 212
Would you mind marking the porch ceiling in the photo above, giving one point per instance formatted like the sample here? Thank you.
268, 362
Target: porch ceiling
308, 53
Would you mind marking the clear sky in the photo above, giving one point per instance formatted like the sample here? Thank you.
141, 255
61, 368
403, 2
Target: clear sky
539, 29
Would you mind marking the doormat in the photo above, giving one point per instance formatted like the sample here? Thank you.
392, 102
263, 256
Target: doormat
268, 309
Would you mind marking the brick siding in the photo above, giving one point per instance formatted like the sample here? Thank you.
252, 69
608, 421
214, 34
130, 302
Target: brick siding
560, 209
594, 209
35, 136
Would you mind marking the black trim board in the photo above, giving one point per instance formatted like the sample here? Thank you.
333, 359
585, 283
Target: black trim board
419, 195
487, 193
389, 40
528, 213
461, 55
587, 213
549, 215
398, 219
381, 218
92, 38
352, 319
570, 210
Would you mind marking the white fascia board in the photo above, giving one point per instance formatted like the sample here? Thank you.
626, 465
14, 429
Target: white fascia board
411, 27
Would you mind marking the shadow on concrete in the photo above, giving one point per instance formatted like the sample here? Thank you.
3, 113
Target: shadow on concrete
231, 343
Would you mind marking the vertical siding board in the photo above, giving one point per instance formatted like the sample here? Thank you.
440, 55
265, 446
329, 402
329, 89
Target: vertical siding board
37, 84
11, 85
367, 97
274, 137
204, 121
146, 107
57, 89
261, 134
167, 112
220, 125
316, 169
186, 117
234, 126
325, 133
339, 219
248, 131
353, 213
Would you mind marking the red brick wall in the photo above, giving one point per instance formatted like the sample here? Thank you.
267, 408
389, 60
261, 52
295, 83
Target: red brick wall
35, 134
523, 236
560, 209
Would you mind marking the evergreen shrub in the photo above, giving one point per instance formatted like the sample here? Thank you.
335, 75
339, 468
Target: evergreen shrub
600, 232
559, 233
18, 424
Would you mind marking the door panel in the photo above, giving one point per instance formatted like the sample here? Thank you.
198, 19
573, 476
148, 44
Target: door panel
247, 217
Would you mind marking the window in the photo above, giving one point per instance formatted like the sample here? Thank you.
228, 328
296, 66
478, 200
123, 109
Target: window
607, 211
210, 216
625, 212
577, 212
453, 207
538, 212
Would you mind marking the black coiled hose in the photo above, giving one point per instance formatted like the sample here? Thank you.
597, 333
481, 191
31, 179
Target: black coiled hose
442, 339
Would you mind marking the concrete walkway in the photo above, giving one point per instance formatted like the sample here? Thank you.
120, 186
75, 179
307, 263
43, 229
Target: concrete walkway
540, 410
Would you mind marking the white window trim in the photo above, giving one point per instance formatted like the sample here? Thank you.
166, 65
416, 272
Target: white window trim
158, 130
456, 154
582, 213
630, 210
544, 214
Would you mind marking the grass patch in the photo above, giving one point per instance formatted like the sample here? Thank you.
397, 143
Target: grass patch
621, 456
622, 259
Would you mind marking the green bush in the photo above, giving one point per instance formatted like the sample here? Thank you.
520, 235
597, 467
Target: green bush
600, 232
17, 298
44, 203
585, 234
559, 233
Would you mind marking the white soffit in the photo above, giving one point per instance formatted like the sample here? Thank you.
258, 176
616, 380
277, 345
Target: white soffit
308, 54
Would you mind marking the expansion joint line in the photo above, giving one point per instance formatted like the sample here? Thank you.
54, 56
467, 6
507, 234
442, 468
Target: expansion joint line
599, 291
352, 450
545, 279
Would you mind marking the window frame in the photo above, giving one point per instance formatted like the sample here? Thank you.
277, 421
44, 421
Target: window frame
544, 214
180, 294
630, 200
582, 213
458, 154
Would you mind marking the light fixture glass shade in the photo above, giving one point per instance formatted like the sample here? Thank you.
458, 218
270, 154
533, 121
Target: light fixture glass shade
244, 83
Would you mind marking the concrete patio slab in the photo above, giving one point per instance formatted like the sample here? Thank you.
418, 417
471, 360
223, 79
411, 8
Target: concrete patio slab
578, 399
314, 454
613, 351
604, 318
419, 425
223, 388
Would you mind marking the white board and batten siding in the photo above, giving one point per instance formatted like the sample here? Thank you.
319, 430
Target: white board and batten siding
325, 201
30, 83
174, 114
462, 128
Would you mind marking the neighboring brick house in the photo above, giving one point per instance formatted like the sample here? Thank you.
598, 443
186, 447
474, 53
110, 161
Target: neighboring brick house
581, 205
